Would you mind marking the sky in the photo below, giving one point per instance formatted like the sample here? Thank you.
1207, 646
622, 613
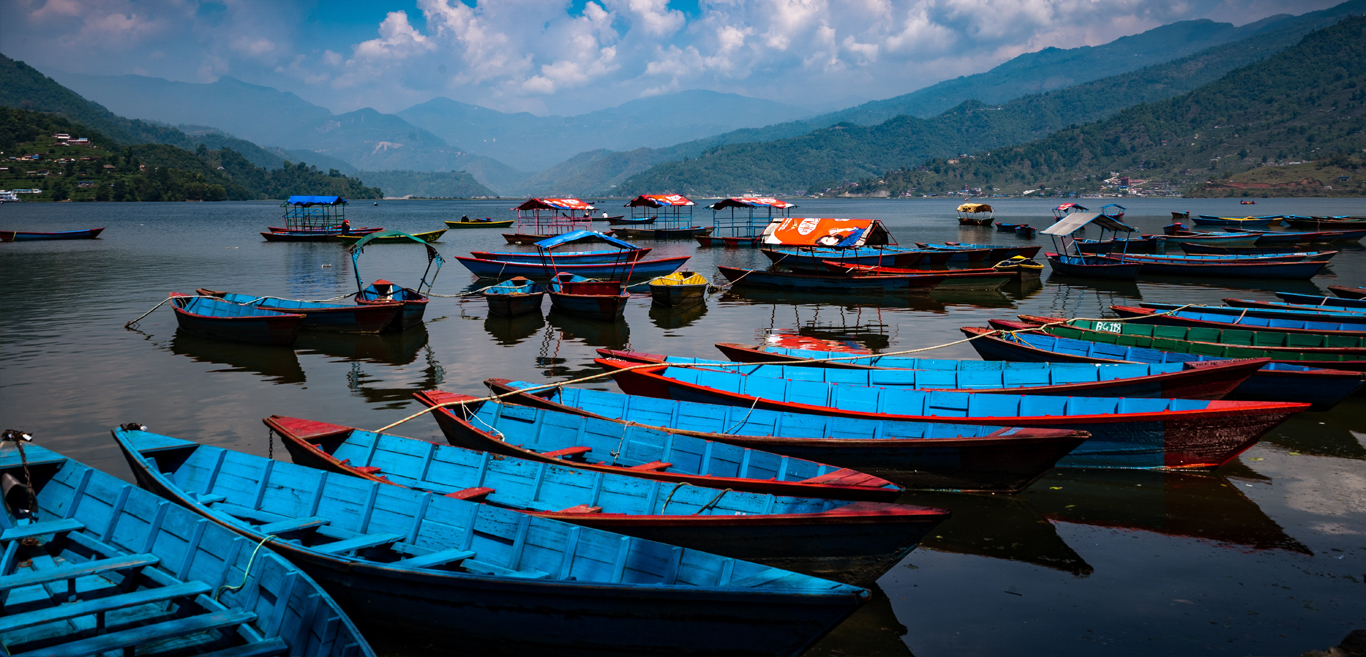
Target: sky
573, 56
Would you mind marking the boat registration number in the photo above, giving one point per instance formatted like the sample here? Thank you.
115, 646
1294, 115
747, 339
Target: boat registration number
1110, 327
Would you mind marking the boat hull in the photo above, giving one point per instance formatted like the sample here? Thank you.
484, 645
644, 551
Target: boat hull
813, 260
504, 223
728, 242
544, 270
25, 236
410, 316
811, 282
607, 308
660, 233
1257, 270
278, 329
1109, 271
674, 296
512, 305
523, 238
323, 316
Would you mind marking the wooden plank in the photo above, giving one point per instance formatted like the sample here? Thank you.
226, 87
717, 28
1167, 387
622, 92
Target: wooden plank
265, 481
519, 543
211, 499
102, 605
581, 509
652, 466
671, 570
357, 543
146, 634
744, 463
727, 569
115, 513
294, 525
597, 487
436, 558
79, 493
272, 646
42, 528
623, 553
282, 601
483, 470
761, 578
427, 462
705, 468
11, 551
489, 569
419, 517
305, 627
154, 528
192, 548
213, 474
568, 451
318, 493
476, 494
85, 569
571, 546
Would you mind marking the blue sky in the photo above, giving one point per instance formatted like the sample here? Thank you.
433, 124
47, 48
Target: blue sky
573, 56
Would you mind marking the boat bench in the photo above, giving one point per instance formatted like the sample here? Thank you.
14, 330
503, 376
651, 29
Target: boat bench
41, 528
357, 543
139, 635
287, 526
581, 509
653, 466
568, 451
489, 569
73, 571
272, 646
472, 494
842, 477
102, 605
438, 558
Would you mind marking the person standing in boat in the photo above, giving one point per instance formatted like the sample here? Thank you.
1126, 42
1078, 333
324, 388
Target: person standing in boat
346, 226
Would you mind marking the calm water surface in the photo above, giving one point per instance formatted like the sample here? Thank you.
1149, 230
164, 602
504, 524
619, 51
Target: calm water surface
1266, 556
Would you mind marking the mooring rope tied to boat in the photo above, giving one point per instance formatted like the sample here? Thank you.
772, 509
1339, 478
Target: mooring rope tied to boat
246, 572
594, 377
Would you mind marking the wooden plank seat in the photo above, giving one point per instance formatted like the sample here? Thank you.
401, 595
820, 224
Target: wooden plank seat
439, 558
41, 528
843, 477
582, 508
568, 451
489, 569
366, 469
73, 571
139, 635
102, 605
651, 466
472, 494
358, 543
273, 646
293, 525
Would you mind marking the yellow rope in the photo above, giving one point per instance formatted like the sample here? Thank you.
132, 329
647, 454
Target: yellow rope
594, 377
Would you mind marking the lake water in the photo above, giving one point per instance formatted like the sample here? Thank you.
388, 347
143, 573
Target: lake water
1266, 556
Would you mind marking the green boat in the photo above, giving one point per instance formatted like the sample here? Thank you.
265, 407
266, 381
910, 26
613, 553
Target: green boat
1337, 352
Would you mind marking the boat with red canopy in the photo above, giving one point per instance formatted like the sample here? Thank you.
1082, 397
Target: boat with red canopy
539, 218
743, 229
659, 217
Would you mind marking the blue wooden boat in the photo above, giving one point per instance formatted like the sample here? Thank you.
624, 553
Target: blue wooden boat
567, 257
419, 562
218, 319
624, 270
1259, 270
1007, 228
384, 293
1025, 230
1305, 310
813, 259
1328, 303
1214, 258
1276, 319
1278, 381
1177, 235
320, 316
574, 294
517, 296
782, 280
100, 567
29, 236
1201, 249
1241, 222
1125, 433
553, 437
965, 252
1347, 292
1193, 382
1140, 244
916, 455
1092, 267
414, 299
850, 542
1269, 238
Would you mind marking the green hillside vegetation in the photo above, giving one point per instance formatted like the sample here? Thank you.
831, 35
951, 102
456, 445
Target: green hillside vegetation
847, 152
1306, 103
143, 172
428, 184
1337, 175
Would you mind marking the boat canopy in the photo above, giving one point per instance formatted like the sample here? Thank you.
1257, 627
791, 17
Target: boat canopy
433, 256
827, 233
1072, 207
658, 201
751, 202
1077, 221
315, 200
554, 204
583, 236
974, 208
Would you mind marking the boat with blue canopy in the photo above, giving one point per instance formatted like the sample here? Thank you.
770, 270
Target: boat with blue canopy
417, 562
319, 316
222, 320
382, 292
93, 565
566, 257
1289, 379
626, 265
1125, 432
1185, 382
314, 219
916, 455
1072, 260
601, 446
850, 542
513, 297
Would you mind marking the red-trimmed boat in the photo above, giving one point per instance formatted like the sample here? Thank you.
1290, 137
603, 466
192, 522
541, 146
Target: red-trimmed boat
371, 318
574, 294
28, 236
916, 455
218, 319
1341, 324
954, 279
798, 282
414, 300
850, 542
1345, 292
1125, 432
589, 444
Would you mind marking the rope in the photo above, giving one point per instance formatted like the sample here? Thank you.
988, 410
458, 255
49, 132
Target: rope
134, 324
744, 419
714, 500
677, 486
626, 427
632, 368
245, 573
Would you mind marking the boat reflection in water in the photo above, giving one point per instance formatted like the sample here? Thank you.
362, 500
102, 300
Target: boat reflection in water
1023, 288
275, 364
872, 631
389, 348
1325, 434
1208, 507
508, 331
399, 394
676, 317
999, 527
592, 332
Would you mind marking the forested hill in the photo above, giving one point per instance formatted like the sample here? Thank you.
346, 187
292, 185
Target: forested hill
1306, 103
848, 152
102, 170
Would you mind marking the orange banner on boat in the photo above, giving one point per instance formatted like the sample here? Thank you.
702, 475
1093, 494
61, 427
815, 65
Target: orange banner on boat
812, 231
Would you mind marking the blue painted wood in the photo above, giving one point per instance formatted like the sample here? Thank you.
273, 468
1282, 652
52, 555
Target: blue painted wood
646, 268
1328, 303
382, 291
514, 297
1262, 270
567, 257
1266, 317
113, 529
26, 236
642, 614
319, 316
1250, 222
221, 320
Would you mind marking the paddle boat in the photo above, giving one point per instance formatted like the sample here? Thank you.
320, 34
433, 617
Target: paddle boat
746, 230
813, 259
486, 222
849, 542
516, 296
414, 300
1281, 250
1070, 260
1020, 266
1180, 215
1178, 234
1218, 258
804, 244
1224, 342
1326, 302
222, 320
682, 288
916, 455
320, 316
1267, 238
782, 280
390, 237
975, 214
603, 300
1326, 223
413, 561
659, 217
1196, 382
314, 219
29, 236
626, 265
1279, 320
1240, 222
1289, 379
1140, 244
1125, 432
94, 565
1066, 210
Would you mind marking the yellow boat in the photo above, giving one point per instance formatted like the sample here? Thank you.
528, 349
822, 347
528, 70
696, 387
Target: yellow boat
681, 288
429, 236
480, 223
1021, 266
